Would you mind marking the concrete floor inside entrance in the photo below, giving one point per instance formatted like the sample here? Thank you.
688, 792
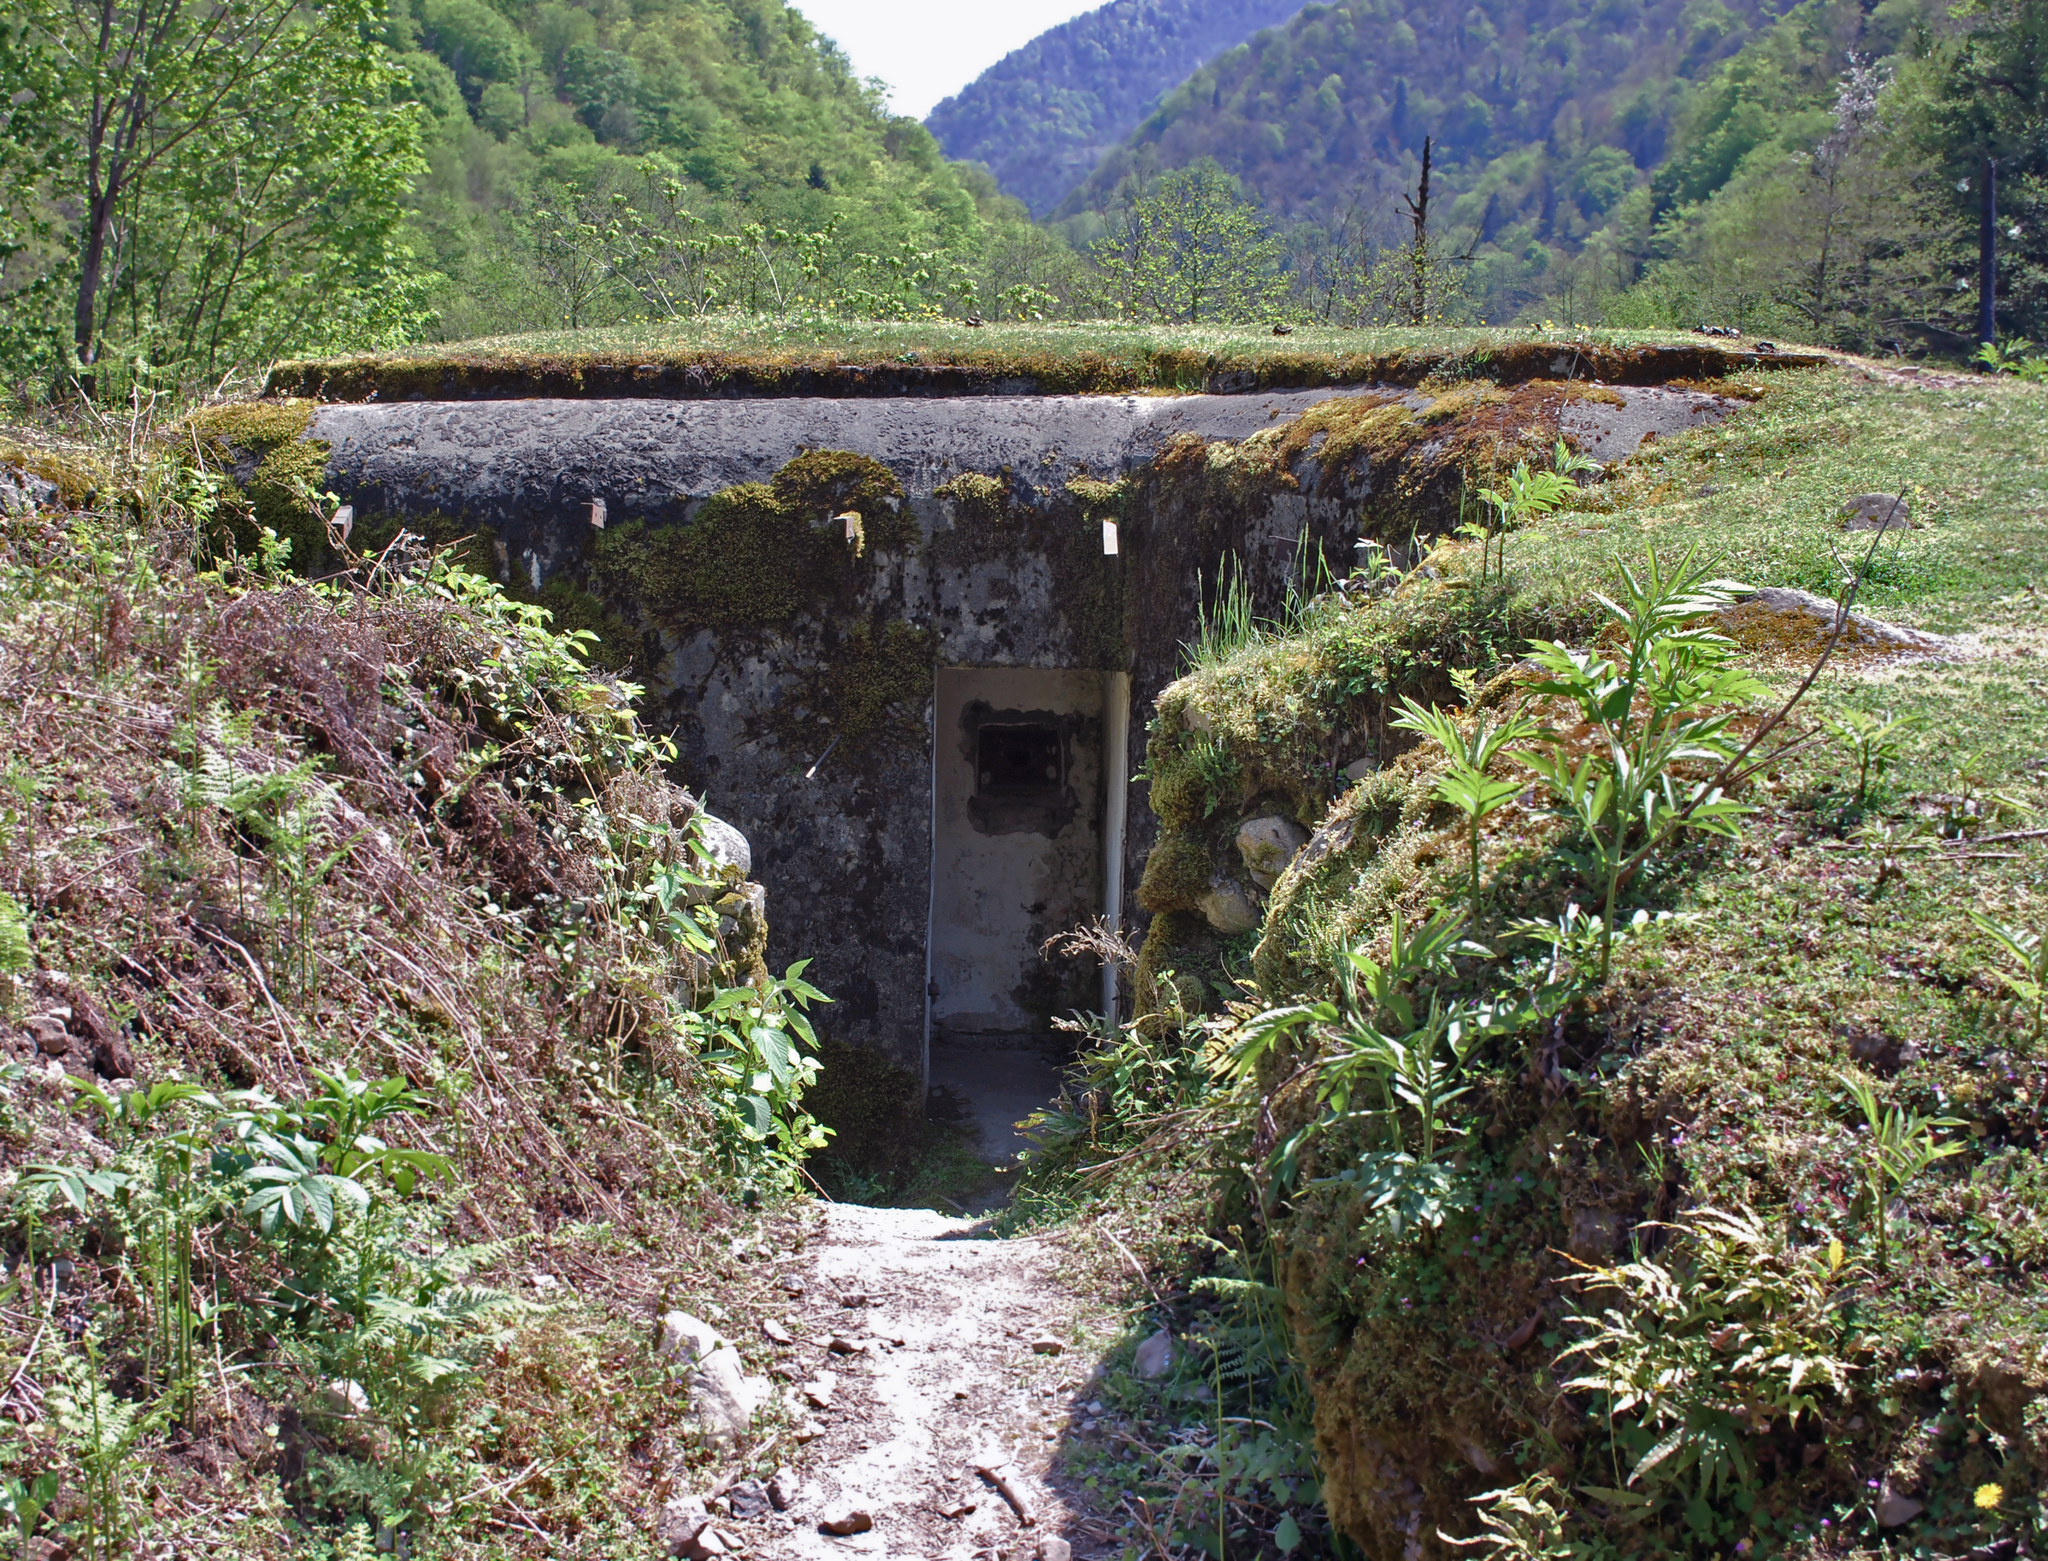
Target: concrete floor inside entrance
991, 1083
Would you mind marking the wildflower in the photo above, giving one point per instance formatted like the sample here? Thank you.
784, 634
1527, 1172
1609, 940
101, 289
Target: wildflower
1989, 1496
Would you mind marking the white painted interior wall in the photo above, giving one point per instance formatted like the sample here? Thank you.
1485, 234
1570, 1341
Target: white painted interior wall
996, 896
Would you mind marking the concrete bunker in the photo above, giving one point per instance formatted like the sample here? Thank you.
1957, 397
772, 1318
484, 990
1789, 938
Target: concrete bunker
892, 642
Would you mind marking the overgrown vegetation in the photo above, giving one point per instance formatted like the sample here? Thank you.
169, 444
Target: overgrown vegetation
387, 1040
1627, 1095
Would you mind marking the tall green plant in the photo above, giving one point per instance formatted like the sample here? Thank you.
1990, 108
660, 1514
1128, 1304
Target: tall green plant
1662, 701
760, 1048
1902, 1144
1526, 493
1873, 741
100, 1430
2027, 952
1225, 627
16, 952
1466, 785
1190, 247
1383, 1041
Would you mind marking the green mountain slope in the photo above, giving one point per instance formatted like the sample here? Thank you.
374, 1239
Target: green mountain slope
1345, 93
1548, 118
1044, 115
753, 113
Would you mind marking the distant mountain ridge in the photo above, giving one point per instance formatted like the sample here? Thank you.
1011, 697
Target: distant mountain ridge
1043, 116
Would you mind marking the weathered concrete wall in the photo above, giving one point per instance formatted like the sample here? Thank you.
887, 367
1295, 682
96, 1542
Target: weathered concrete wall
1022, 582
793, 654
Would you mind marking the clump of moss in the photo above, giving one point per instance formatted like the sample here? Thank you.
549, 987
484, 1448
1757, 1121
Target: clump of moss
1461, 400
979, 498
253, 426
758, 554
1167, 983
1176, 875
944, 359
618, 644
1100, 500
75, 483
1421, 458
832, 482
279, 474
875, 678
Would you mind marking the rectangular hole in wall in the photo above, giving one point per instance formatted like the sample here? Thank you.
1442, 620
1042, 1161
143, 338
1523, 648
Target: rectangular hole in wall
1017, 857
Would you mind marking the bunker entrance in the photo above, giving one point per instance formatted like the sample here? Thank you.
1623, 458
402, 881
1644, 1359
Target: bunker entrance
1020, 853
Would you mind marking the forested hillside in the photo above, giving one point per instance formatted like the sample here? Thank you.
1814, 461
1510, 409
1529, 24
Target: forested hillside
1664, 163
1043, 116
538, 115
340, 176
1332, 104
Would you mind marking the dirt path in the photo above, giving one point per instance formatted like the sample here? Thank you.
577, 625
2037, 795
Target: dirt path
946, 1381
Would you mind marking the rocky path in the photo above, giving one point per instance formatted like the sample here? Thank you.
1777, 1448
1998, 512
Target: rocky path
940, 1371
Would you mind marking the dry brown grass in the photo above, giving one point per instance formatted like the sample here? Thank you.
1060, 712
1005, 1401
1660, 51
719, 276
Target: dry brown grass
440, 948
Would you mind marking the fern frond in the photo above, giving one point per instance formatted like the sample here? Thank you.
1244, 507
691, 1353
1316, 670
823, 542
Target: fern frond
16, 952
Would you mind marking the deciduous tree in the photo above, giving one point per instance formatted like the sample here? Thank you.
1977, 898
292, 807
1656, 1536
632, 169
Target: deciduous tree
225, 176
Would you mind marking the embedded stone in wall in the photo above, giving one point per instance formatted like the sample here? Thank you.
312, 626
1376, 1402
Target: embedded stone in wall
1268, 845
1229, 907
726, 846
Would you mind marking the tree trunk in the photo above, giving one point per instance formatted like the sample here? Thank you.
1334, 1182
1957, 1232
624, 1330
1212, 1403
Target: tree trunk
1987, 257
85, 320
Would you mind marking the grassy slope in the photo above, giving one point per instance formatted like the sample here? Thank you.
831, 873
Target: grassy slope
437, 947
1708, 1074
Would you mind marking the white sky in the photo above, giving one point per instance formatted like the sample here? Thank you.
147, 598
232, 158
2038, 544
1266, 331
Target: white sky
929, 49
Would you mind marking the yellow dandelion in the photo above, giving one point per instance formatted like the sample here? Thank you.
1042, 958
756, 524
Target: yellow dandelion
1989, 1496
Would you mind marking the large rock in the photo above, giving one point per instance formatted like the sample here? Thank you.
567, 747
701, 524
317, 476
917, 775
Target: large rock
723, 845
22, 491
723, 1397
1791, 621
1877, 512
1229, 907
679, 1524
1267, 845
1155, 1355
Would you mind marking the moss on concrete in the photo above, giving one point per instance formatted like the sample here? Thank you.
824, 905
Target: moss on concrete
254, 426
829, 483
977, 498
759, 554
278, 477
1100, 500
618, 647
1424, 451
874, 679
